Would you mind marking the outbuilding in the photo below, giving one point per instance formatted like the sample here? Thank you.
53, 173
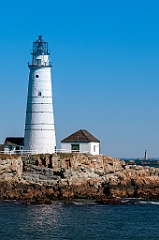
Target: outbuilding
14, 145
81, 141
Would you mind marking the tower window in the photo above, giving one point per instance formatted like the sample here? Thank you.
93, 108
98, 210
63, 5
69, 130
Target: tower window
37, 76
38, 61
39, 94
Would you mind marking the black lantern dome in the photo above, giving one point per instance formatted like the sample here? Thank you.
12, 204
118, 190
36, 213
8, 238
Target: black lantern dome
40, 46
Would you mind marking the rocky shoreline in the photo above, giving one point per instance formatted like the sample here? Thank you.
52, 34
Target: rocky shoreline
46, 178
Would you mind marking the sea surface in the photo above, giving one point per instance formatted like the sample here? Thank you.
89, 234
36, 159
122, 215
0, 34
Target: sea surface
84, 220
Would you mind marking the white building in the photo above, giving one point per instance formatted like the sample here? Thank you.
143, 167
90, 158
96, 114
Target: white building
39, 124
81, 141
13, 145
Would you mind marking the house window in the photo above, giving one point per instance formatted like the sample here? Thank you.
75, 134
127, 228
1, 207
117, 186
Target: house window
94, 148
39, 94
75, 147
37, 76
11, 148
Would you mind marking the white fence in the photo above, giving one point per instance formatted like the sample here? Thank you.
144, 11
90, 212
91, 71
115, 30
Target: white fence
32, 152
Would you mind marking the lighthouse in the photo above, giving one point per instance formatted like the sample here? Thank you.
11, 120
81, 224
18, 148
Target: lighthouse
39, 133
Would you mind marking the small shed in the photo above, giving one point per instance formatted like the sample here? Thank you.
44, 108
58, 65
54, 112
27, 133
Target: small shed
14, 144
81, 141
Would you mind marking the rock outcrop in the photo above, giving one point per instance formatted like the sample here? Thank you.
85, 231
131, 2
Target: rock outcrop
67, 176
11, 169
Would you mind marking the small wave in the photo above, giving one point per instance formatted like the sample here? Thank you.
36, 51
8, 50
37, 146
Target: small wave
156, 203
78, 203
84, 202
149, 202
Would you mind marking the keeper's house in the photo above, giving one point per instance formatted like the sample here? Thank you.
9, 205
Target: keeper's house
14, 145
81, 141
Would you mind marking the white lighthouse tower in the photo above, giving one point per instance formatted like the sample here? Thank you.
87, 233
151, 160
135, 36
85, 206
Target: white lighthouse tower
39, 124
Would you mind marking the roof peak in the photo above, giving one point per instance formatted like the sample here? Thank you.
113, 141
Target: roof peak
39, 39
81, 135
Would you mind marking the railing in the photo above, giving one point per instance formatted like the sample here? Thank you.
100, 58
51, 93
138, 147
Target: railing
20, 152
69, 151
32, 152
32, 64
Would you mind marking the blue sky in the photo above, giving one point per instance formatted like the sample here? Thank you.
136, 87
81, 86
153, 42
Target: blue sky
105, 57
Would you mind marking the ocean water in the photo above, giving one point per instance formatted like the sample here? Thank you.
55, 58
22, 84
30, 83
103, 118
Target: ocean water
80, 221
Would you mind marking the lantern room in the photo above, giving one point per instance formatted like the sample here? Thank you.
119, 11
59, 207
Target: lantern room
40, 47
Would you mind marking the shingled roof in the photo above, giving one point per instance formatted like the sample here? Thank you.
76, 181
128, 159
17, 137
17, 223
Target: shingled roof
81, 136
14, 141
